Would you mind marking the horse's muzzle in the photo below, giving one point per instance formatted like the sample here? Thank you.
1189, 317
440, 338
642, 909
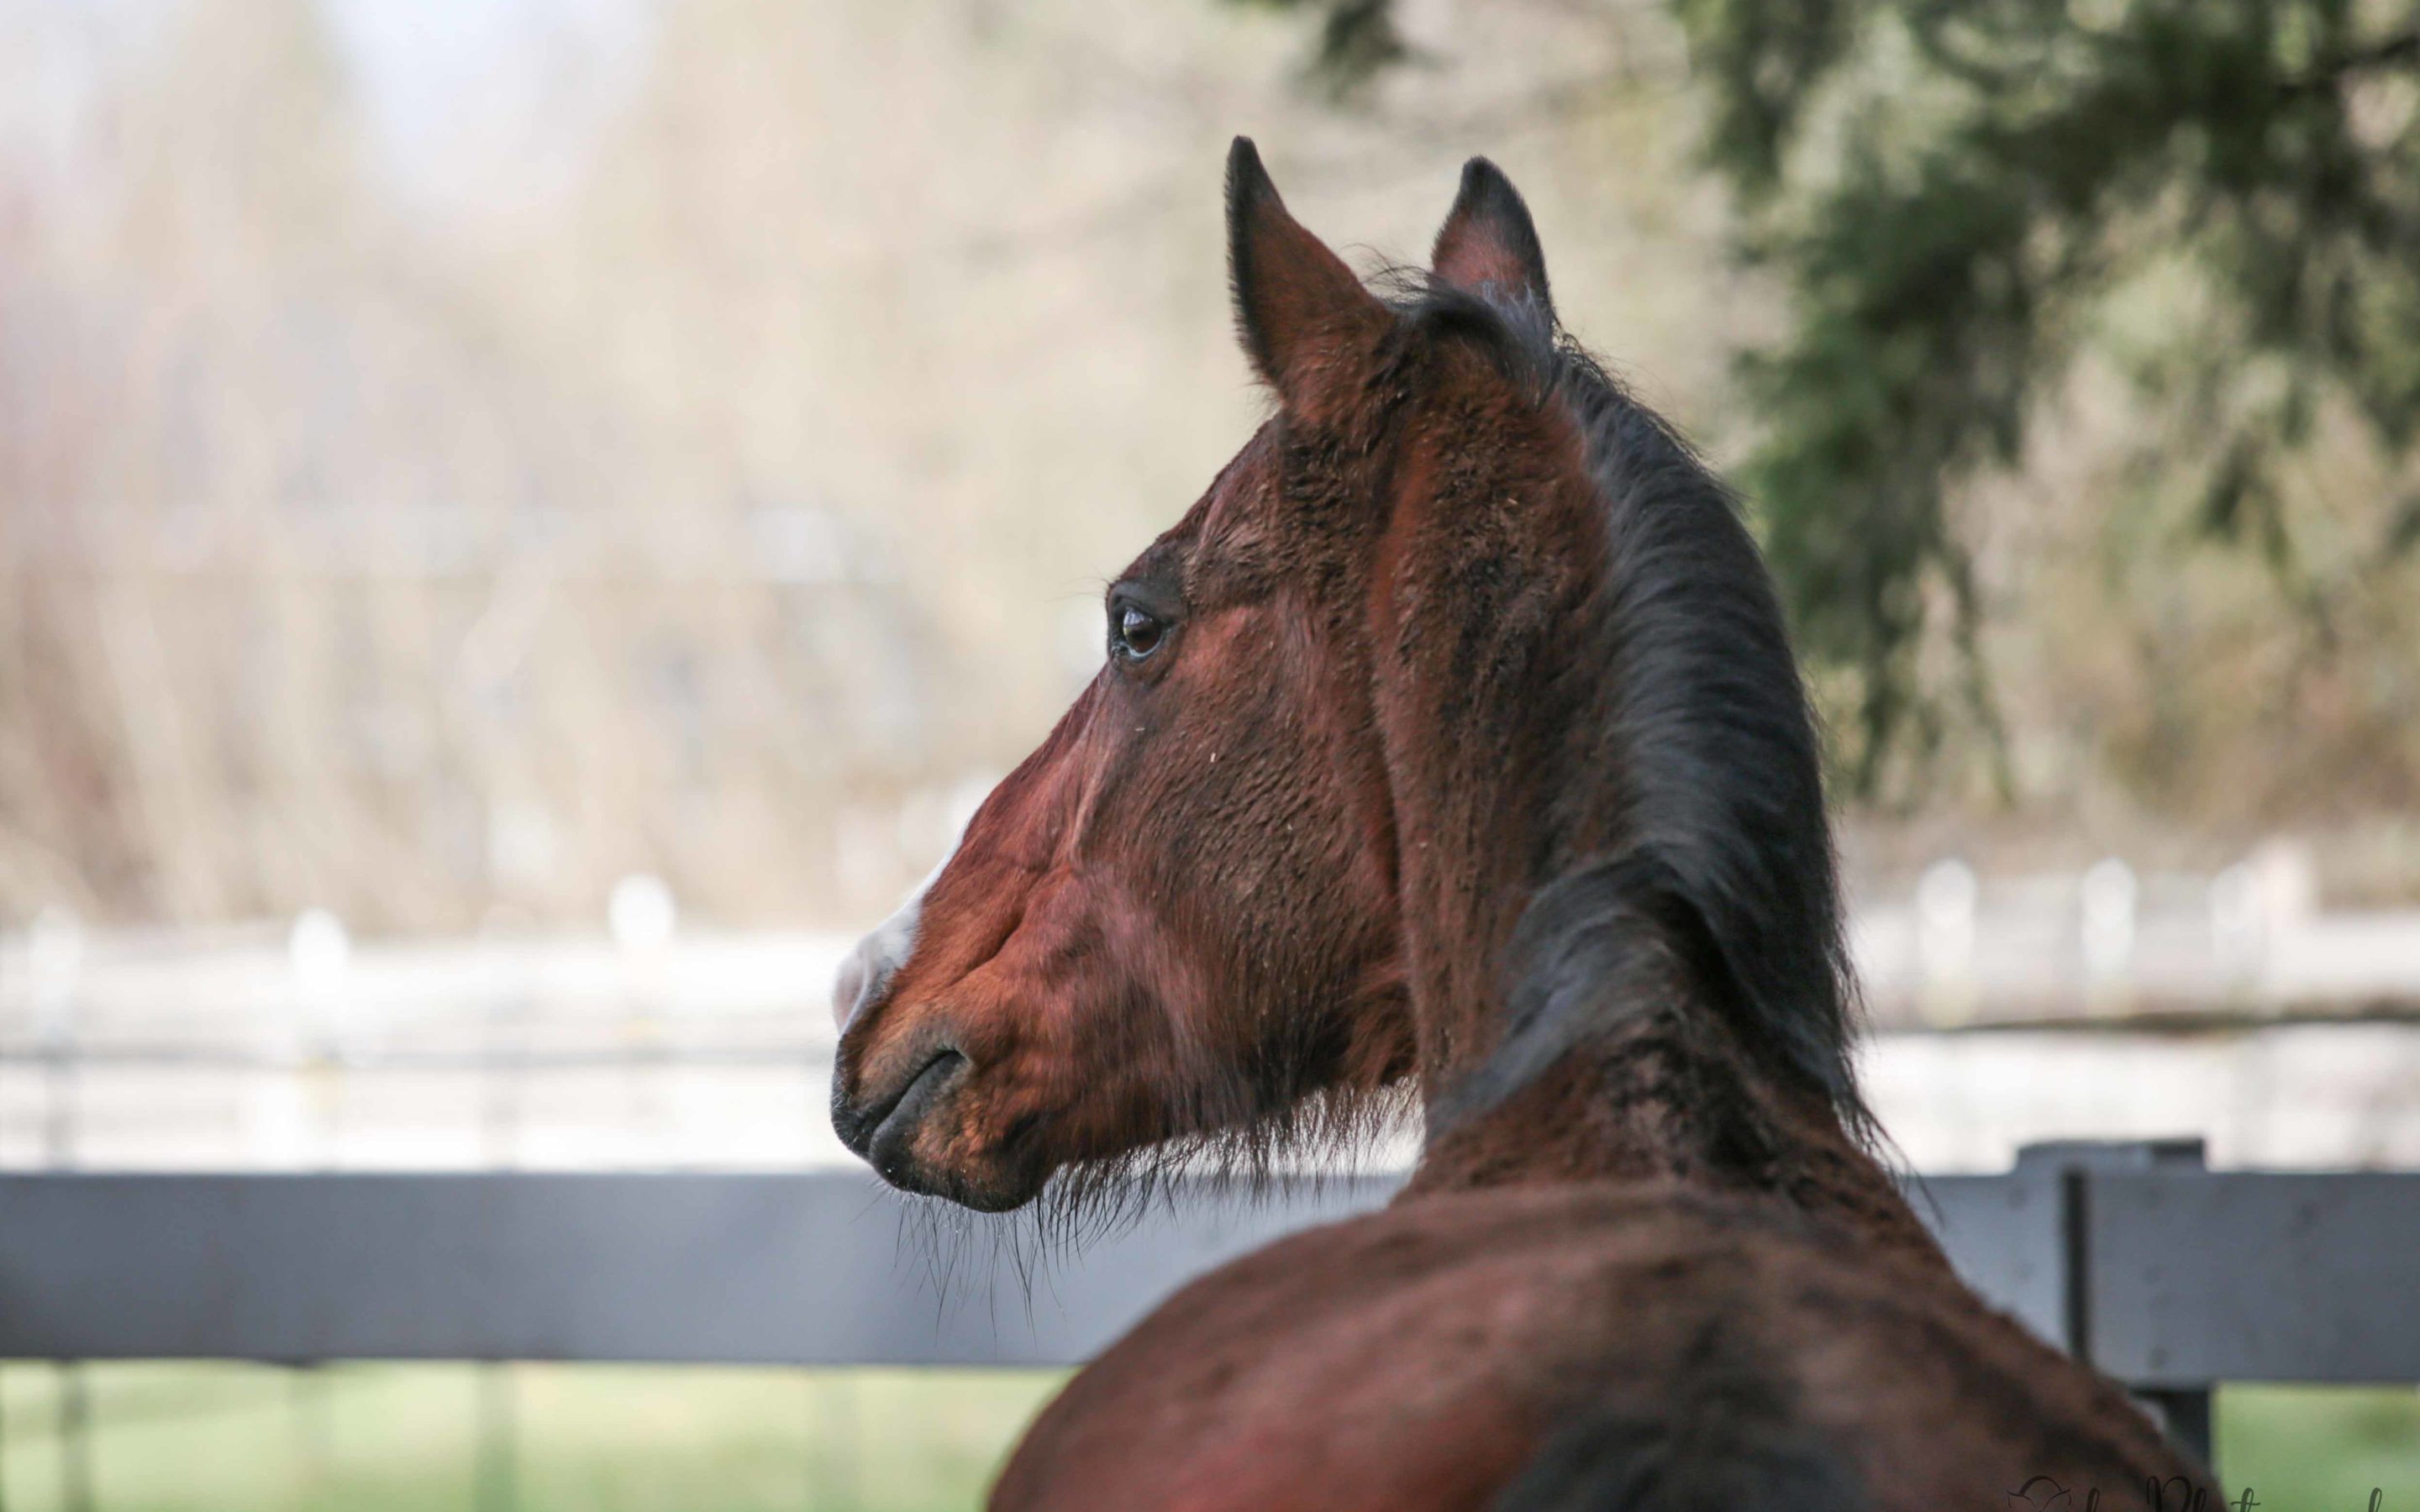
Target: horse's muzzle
882, 1129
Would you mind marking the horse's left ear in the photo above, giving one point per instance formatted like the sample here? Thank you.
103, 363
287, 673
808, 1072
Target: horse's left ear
1306, 321
1487, 243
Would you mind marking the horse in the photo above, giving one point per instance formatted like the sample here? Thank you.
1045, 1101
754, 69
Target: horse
1451, 747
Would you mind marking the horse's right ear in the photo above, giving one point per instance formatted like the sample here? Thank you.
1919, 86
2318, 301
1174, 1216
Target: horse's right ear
1302, 315
1488, 243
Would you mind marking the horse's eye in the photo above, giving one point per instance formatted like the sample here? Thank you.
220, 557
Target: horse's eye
1134, 634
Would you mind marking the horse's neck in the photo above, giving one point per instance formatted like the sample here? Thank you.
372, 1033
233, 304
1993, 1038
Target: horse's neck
1668, 1100
1637, 749
1657, 1084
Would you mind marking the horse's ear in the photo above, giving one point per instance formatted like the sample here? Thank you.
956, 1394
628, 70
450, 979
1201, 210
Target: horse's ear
1301, 313
1488, 240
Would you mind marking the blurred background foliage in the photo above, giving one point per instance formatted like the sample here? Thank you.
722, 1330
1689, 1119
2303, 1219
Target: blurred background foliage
453, 456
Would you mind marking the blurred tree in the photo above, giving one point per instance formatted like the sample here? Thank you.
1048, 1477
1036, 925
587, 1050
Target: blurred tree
1963, 198
1357, 40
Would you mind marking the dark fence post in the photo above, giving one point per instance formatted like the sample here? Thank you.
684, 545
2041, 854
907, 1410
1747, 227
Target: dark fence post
57, 949
2184, 1411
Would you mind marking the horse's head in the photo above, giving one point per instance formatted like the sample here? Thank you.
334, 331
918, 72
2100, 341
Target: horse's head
1178, 918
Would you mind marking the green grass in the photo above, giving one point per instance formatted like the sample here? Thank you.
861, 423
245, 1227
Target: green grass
379, 1437
382, 1438
2321, 1448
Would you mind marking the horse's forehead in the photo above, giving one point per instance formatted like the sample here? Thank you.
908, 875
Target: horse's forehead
1229, 526
1230, 519
1243, 485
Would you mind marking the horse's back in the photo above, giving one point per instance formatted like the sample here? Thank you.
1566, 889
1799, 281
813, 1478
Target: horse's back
1595, 1345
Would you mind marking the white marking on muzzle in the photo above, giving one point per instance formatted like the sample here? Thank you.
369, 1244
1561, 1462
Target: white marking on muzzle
869, 967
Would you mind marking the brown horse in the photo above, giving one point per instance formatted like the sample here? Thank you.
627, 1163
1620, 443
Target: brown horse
1452, 740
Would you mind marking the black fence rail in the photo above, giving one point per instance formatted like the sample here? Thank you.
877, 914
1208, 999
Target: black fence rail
2171, 1278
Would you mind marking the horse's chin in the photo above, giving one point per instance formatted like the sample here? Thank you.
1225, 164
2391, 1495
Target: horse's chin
989, 1197
986, 1184
984, 1191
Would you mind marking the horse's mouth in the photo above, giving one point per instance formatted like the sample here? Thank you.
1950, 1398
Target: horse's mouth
881, 1132
887, 1133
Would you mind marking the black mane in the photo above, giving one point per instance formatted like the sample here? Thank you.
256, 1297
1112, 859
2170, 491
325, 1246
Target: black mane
1724, 861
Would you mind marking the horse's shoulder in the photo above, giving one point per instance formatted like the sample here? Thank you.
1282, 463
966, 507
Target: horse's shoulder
1405, 1358
1422, 1355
